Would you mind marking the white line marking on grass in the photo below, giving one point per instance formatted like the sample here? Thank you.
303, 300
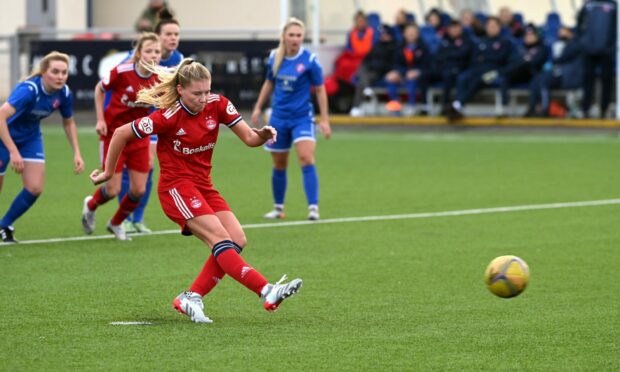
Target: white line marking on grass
131, 323
479, 138
465, 212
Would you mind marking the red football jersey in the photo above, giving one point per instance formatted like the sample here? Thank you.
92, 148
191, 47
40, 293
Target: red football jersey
186, 140
124, 83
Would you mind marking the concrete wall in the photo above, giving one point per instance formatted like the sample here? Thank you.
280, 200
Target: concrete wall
265, 15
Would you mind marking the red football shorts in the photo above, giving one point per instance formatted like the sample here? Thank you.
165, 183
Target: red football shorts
187, 201
135, 155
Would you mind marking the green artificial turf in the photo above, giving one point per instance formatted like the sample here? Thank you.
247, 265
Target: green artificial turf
404, 294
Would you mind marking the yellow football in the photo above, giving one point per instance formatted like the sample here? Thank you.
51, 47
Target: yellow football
507, 276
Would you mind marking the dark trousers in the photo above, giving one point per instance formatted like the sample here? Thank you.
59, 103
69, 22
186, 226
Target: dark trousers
513, 74
590, 64
469, 82
447, 78
540, 88
365, 77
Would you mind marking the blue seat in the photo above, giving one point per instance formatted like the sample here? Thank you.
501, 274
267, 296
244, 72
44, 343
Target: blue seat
410, 18
553, 18
551, 27
374, 20
429, 35
481, 17
445, 19
518, 18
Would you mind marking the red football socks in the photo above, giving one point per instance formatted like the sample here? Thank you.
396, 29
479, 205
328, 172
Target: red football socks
99, 197
124, 209
230, 261
209, 276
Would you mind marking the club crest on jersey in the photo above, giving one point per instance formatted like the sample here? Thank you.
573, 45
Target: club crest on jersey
230, 109
195, 203
300, 68
146, 125
56, 104
211, 124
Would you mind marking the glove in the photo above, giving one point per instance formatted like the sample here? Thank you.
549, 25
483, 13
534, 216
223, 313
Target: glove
489, 77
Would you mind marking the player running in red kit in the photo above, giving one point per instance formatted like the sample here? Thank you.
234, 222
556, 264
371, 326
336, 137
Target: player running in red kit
125, 81
187, 126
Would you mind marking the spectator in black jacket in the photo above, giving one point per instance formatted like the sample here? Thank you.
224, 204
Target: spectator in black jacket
564, 72
412, 60
451, 59
526, 63
491, 53
597, 28
376, 64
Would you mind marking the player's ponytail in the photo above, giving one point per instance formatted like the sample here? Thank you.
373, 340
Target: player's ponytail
281, 50
165, 18
164, 94
44, 63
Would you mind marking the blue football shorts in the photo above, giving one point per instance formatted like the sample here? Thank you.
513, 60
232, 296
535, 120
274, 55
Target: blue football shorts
31, 150
291, 131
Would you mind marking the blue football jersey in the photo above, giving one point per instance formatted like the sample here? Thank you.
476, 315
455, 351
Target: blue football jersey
32, 103
295, 77
173, 60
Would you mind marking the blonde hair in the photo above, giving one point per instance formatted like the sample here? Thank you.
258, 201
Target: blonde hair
281, 50
139, 42
44, 63
164, 94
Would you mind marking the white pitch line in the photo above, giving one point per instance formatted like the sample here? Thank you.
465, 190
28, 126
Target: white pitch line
465, 212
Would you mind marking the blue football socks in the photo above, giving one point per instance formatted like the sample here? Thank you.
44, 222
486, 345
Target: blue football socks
311, 183
22, 202
278, 185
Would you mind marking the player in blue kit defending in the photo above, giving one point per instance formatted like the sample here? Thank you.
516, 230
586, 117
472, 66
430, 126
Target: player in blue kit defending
168, 31
291, 73
21, 147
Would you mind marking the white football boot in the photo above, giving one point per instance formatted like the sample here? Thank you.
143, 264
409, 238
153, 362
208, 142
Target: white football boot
276, 214
274, 294
190, 303
313, 213
118, 231
88, 217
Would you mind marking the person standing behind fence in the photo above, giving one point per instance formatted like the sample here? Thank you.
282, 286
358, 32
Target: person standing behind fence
125, 81
168, 31
291, 72
150, 16
21, 147
596, 30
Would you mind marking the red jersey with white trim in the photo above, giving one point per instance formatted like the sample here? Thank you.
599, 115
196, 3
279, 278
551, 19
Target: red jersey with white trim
125, 82
186, 140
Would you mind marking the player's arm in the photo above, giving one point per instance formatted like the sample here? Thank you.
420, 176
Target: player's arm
101, 127
265, 93
71, 133
321, 98
253, 137
17, 162
120, 138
